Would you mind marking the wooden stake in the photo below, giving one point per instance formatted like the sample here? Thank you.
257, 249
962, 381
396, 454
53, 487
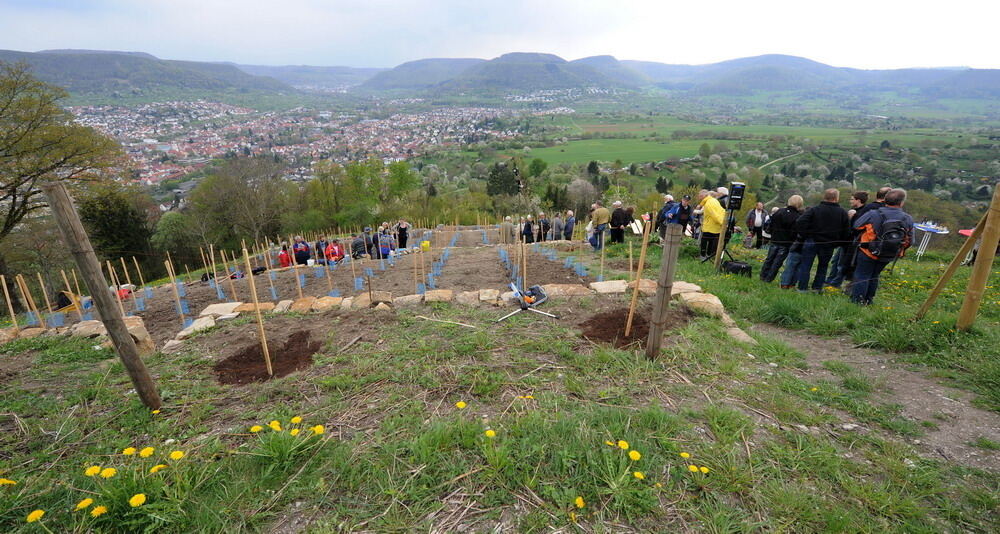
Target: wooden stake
229, 277
10, 305
271, 283
630, 259
177, 295
638, 279
26, 294
76, 283
416, 282
128, 280
78, 243
983, 266
952, 267
664, 288
215, 275
45, 292
524, 268
604, 246
260, 316
138, 271
76, 298
295, 269
114, 281
329, 278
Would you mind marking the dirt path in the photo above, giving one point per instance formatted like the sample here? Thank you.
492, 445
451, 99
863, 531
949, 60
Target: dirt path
956, 422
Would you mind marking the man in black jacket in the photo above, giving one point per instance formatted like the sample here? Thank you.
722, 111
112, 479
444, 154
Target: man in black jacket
823, 228
661, 216
619, 219
843, 259
782, 236
543, 227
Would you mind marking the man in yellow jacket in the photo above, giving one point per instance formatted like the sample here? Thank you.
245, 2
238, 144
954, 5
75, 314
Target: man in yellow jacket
712, 221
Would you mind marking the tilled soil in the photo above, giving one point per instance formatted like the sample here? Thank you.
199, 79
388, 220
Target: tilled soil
609, 326
248, 364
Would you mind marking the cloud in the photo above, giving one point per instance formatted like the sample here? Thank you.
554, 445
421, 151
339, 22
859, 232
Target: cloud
385, 33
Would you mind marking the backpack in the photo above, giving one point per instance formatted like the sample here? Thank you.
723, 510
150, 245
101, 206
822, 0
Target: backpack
891, 240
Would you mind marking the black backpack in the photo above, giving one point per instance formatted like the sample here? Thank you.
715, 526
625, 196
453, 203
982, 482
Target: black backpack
890, 241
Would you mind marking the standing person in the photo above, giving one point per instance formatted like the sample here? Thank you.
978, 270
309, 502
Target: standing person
629, 219
722, 195
713, 219
618, 221
369, 242
284, 258
528, 231
886, 233
543, 227
507, 233
879, 200
823, 227
321, 245
756, 219
600, 218
358, 246
557, 227
334, 252
782, 229
680, 213
301, 251
843, 258
402, 233
569, 226
661, 216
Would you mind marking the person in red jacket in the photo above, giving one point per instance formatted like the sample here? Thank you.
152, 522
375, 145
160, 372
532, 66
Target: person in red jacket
334, 252
284, 259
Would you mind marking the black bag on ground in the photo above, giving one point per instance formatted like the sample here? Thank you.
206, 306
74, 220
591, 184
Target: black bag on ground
741, 268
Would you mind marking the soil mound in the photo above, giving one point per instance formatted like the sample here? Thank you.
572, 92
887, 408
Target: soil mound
247, 365
609, 326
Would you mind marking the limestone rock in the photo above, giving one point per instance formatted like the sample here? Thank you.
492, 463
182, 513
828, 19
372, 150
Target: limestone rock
302, 305
362, 301
490, 296
199, 324
439, 295
220, 308
379, 297
7, 335
227, 317
249, 307
87, 329
28, 333
704, 303
381, 306
283, 306
326, 303
345, 305
609, 286
727, 320
508, 297
684, 287
566, 290
407, 300
143, 341
647, 287
468, 298
741, 336
172, 346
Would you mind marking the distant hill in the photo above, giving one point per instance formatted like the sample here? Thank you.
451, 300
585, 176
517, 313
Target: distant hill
521, 71
420, 74
84, 51
615, 70
309, 76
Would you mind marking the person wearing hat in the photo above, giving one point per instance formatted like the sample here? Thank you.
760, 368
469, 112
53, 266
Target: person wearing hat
599, 218
661, 216
619, 219
680, 213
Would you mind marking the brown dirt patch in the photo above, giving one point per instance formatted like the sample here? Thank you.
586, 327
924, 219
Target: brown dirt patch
247, 365
609, 326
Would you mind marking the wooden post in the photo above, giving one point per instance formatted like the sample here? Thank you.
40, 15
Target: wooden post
271, 283
10, 305
722, 243
630, 259
138, 271
45, 292
983, 266
128, 280
664, 288
229, 277
295, 269
260, 317
76, 284
416, 282
173, 286
76, 298
114, 281
524, 268
638, 277
26, 294
78, 243
952, 267
604, 245
215, 275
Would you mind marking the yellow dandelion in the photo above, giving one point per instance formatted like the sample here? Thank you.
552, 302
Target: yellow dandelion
703, 469
84, 503
108, 472
318, 429
256, 428
176, 455
572, 516
693, 468
610, 444
639, 475
275, 426
935, 322
34, 516
137, 500
155, 412
814, 389
460, 405
296, 420
147, 452
658, 485
491, 433
129, 451
92, 471
634, 455
98, 511
685, 455
623, 445
579, 502
294, 432
157, 468
7, 482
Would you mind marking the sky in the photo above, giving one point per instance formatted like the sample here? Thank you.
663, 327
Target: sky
383, 33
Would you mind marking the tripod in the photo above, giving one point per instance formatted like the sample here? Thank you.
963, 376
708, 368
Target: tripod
527, 302
725, 236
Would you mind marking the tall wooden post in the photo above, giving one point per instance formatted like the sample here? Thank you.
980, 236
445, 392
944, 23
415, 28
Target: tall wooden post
638, 277
138, 271
26, 294
114, 281
10, 305
983, 266
664, 287
45, 292
177, 294
78, 243
260, 317
952, 267
76, 298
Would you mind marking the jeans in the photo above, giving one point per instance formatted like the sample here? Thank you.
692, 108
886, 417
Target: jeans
775, 257
821, 252
597, 240
790, 274
758, 233
709, 243
866, 276
838, 264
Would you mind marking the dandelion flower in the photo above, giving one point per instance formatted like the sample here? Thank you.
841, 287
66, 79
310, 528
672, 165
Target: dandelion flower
460, 405
176, 455
84, 503
256, 428
639, 475
634, 455
693, 468
92, 471
623, 445
318, 429
610, 444
491, 433
658, 485
703, 469
108, 472
98, 511
157, 468
275, 426
685, 455
294, 432
147, 452
572, 516
296, 420
579, 502
129, 451
155, 412
35, 516
7, 482
137, 500
813, 389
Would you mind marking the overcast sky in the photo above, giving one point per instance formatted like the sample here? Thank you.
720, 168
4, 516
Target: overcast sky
384, 33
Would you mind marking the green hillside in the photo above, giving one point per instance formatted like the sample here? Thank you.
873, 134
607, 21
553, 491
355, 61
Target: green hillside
528, 72
420, 74
311, 76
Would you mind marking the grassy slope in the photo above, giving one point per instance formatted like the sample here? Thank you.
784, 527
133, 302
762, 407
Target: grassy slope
400, 455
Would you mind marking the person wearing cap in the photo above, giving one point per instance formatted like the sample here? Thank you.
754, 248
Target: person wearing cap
680, 213
619, 220
600, 218
661, 216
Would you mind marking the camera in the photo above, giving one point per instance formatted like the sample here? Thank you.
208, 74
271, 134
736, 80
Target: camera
736, 193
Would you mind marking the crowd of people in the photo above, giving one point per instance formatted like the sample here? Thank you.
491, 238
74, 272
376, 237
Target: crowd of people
377, 243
